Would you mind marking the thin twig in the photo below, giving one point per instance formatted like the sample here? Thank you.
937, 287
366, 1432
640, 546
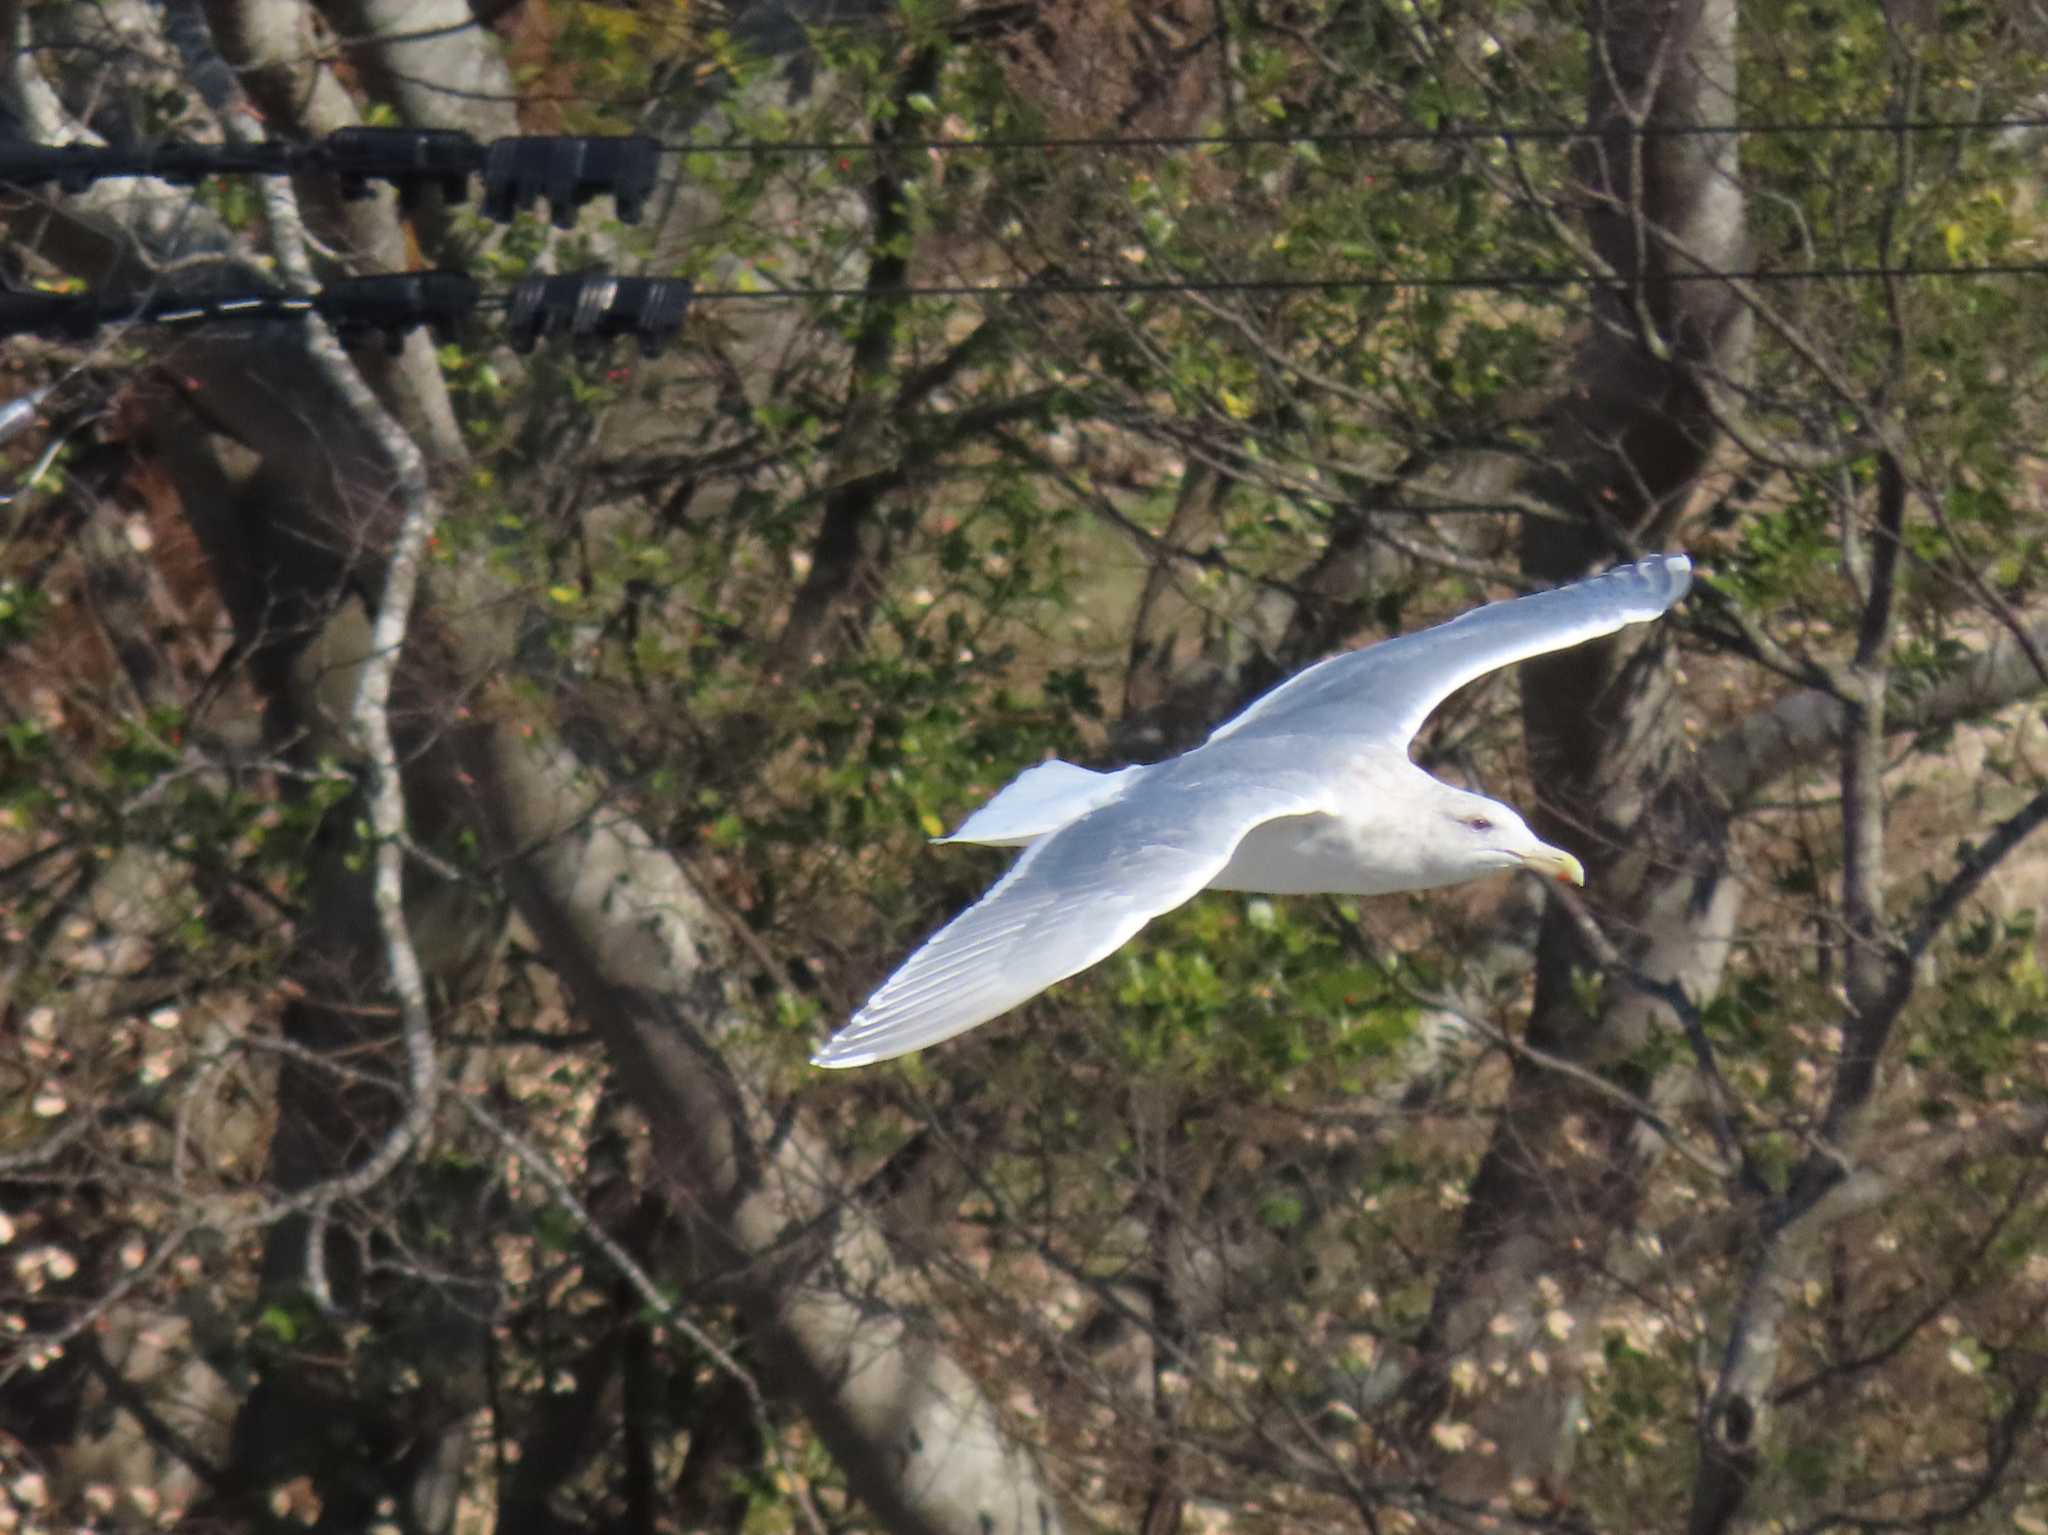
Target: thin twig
1621, 1097
644, 1286
112, 1296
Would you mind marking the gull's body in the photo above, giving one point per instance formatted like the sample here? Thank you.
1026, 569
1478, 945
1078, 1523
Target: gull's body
1309, 790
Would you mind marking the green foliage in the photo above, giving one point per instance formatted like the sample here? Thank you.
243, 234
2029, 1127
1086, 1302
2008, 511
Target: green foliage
22, 611
1982, 1039
1234, 997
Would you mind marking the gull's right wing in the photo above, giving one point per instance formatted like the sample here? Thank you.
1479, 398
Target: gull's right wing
1073, 898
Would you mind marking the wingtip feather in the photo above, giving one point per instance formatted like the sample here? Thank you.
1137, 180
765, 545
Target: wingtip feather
1668, 577
855, 1045
1676, 566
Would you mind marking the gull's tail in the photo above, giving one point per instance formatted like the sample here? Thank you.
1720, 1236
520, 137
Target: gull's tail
1039, 801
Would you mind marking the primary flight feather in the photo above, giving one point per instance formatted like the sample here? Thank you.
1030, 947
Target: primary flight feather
1308, 790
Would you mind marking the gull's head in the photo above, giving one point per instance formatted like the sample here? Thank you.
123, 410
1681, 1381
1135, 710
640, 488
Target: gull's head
1489, 835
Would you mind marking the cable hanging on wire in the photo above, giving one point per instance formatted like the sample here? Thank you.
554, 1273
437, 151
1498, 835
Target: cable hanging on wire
571, 171
386, 306
568, 171
592, 309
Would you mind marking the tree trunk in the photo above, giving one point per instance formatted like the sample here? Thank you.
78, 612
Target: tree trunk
1563, 1176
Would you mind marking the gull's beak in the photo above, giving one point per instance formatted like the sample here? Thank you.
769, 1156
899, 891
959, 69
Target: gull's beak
1555, 863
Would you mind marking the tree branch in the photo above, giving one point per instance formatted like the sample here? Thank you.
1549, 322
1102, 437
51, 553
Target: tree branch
1801, 728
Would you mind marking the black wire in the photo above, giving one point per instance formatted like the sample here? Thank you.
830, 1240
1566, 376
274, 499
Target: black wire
1485, 282
190, 161
66, 316
1458, 134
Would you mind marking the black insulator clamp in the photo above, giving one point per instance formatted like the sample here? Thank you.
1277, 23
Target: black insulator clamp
595, 309
569, 172
408, 158
392, 304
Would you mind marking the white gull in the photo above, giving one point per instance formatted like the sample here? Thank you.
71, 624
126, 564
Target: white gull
1308, 790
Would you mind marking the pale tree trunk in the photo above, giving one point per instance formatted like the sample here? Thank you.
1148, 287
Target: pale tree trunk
1563, 1177
645, 959
1843, 1169
432, 59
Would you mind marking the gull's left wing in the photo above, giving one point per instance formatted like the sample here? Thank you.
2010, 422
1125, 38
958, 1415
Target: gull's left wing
1387, 690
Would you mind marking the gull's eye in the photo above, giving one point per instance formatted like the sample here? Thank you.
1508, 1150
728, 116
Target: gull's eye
1479, 823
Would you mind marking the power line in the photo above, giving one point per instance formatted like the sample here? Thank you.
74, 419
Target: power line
594, 308
1455, 133
569, 170
1501, 282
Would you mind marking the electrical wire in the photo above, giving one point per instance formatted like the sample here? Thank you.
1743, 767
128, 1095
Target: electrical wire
1500, 282
436, 154
1456, 133
592, 303
598, 306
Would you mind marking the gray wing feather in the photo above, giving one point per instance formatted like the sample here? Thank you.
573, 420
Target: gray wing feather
1072, 899
1387, 690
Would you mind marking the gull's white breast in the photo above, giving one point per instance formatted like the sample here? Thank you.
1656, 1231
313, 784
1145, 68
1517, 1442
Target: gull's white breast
1333, 855
1301, 855
1367, 843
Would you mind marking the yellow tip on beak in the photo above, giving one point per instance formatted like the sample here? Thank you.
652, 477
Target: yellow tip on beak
1555, 863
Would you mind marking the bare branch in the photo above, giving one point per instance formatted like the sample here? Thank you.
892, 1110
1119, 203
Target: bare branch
1593, 1082
650, 1293
1801, 728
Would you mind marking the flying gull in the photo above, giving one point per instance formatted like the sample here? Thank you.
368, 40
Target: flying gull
1308, 791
